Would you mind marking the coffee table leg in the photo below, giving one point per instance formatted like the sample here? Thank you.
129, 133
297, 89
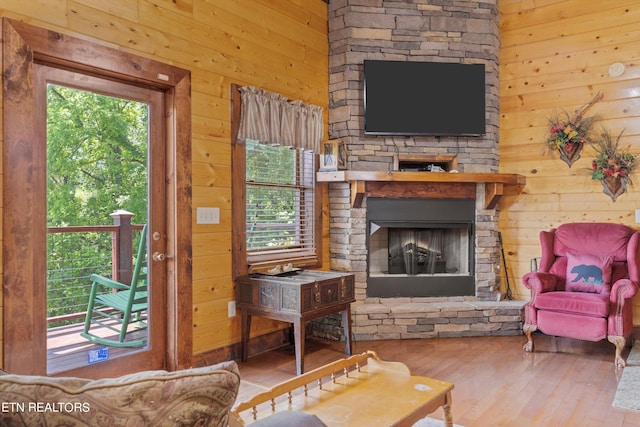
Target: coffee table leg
346, 324
446, 410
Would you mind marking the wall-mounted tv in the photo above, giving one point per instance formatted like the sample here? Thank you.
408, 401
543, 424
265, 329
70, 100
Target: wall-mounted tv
424, 98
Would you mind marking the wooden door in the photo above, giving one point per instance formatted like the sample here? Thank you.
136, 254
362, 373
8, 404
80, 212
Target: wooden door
25, 49
150, 356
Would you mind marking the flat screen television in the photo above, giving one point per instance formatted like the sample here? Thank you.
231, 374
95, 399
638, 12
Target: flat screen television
424, 98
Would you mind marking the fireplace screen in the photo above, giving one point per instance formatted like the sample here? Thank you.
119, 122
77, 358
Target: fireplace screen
420, 248
415, 251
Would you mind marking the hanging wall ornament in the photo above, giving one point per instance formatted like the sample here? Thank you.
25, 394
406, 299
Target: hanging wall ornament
568, 134
569, 153
614, 186
612, 165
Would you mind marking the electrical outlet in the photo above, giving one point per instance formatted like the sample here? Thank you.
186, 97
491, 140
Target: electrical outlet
208, 216
231, 307
637, 216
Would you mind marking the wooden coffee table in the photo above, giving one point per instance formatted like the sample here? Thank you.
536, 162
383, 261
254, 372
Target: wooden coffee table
359, 391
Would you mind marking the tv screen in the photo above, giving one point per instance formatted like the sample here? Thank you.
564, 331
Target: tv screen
424, 98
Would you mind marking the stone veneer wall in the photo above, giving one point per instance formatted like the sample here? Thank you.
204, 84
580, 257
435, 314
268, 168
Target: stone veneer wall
418, 30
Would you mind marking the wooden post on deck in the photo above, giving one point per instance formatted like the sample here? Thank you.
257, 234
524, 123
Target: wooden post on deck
122, 246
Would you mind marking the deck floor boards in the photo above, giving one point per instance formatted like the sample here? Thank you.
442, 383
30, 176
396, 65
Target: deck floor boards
66, 349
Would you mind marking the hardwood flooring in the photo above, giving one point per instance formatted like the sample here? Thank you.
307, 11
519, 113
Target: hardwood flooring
563, 383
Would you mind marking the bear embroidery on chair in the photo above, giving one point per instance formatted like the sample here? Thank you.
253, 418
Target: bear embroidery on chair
588, 273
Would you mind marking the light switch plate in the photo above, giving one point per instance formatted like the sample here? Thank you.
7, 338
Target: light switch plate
208, 216
637, 216
231, 308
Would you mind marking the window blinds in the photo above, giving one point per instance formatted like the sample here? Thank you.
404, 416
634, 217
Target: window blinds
280, 200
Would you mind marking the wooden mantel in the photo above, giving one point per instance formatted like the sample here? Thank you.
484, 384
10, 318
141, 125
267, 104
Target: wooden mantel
494, 182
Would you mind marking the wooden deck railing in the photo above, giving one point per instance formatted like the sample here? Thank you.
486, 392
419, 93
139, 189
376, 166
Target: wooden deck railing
122, 232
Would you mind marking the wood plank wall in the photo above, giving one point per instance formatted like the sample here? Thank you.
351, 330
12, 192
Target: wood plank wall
555, 54
280, 46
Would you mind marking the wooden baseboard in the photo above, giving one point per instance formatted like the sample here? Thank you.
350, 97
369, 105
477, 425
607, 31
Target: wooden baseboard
257, 345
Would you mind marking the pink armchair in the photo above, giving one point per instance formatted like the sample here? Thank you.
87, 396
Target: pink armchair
587, 276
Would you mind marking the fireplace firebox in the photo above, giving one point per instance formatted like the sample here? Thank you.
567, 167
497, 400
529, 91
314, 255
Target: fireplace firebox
420, 247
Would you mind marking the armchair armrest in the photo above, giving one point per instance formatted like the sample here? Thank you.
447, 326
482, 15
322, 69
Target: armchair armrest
620, 321
621, 290
539, 282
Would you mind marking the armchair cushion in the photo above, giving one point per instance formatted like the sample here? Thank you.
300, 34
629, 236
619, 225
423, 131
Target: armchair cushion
588, 273
582, 303
572, 325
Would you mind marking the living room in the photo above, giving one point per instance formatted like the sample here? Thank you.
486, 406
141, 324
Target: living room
540, 57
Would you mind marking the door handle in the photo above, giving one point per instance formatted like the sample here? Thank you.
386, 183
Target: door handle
158, 256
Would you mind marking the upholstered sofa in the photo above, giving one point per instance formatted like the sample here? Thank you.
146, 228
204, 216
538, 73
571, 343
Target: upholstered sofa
587, 276
200, 396
192, 397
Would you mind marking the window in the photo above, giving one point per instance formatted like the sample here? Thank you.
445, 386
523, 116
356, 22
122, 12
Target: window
280, 202
276, 204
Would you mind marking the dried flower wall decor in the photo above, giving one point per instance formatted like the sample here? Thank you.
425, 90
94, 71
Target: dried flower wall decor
612, 165
568, 134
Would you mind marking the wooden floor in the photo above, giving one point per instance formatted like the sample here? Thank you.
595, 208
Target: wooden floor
564, 383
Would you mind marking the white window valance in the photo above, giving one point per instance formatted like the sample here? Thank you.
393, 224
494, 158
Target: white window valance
271, 118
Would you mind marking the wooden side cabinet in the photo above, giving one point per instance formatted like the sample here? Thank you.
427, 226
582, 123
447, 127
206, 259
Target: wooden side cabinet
295, 297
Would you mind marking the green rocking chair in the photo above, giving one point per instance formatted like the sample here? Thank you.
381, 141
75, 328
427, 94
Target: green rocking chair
117, 306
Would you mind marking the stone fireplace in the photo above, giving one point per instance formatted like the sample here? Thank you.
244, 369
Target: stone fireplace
464, 293
449, 308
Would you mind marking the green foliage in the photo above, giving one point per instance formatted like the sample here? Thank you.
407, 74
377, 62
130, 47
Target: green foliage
97, 164
272, 195
96, 157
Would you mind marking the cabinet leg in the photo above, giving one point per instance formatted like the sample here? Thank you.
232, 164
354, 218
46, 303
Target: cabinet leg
299, 332
245, 326
346, 325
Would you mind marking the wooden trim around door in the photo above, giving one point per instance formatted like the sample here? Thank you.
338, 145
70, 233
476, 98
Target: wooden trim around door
24, 227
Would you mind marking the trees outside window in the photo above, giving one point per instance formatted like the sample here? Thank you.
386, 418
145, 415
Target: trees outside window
280, 200
96, 165
96, 157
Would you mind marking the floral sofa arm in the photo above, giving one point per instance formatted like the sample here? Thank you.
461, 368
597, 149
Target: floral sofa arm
198, 396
